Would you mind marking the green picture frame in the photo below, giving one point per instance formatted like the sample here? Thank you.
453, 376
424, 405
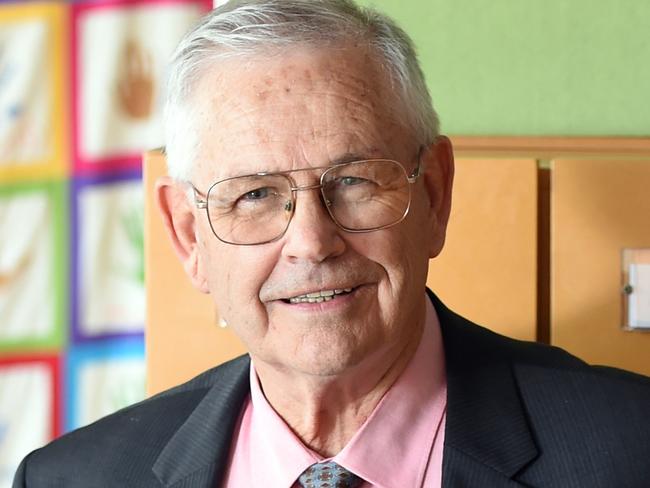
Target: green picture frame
56, 192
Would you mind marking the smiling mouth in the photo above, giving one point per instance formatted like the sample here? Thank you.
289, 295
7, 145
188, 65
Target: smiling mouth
319, 296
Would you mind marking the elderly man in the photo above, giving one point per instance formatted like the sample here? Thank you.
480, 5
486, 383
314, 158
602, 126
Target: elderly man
308, 189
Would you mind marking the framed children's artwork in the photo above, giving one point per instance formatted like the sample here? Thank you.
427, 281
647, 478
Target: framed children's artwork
33, 61
33, 265
119, 85
101, 378
108, 298
29, 410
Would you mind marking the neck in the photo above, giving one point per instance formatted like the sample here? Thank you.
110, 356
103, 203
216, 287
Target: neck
326, 411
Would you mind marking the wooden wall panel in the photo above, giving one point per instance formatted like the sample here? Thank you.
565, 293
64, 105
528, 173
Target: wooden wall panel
598, 207
487, 270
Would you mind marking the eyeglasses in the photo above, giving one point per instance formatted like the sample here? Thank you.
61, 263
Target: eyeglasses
360, 196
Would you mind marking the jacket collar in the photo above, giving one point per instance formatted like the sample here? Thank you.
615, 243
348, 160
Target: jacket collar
197, 454
486, 427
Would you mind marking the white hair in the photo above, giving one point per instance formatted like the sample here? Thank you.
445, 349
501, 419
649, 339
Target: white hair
249, 27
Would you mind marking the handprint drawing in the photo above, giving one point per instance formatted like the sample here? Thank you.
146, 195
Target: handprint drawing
136, 83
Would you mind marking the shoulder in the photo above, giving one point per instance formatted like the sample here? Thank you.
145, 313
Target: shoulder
541, 366
469, 345
561, 382
579, 416
584, 417
121, 447
565, 399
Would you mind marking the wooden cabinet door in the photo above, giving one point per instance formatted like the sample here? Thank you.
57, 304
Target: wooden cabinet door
487, 271
598, 208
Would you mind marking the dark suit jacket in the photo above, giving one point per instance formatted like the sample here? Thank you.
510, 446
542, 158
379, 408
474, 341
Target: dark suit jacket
519, 415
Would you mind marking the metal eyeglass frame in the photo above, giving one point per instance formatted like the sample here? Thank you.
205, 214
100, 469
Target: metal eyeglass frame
202, 203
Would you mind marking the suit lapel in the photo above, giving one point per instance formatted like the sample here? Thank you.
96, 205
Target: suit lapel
487, 436
197, 454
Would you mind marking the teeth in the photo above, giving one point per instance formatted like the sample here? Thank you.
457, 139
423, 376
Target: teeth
319, 296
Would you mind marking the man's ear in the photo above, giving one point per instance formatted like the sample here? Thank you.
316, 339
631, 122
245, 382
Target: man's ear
178, 217
437, 160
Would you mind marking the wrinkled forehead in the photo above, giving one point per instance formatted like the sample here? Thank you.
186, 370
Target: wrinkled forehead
295, 109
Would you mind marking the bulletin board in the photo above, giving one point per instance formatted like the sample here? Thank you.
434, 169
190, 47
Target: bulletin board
81, 97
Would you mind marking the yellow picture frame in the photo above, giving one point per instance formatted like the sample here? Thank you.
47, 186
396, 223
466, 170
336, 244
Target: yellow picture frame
55, 162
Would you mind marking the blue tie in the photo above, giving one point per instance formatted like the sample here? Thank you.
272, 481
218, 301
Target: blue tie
328, 475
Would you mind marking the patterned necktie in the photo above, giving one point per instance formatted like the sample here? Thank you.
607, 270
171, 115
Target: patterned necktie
328, 475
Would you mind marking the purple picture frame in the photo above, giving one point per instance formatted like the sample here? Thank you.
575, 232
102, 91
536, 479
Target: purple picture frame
77, 185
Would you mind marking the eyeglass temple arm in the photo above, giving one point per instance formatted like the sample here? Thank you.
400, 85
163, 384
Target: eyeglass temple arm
199, 201
416, 172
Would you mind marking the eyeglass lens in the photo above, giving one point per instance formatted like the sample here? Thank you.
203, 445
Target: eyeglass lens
359, 196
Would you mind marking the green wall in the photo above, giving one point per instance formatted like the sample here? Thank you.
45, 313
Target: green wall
533, 67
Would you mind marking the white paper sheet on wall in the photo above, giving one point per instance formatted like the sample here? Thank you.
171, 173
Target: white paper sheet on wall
26, 298
105, 386
24, 92
639, 298
25, 414
111, 293
120, 94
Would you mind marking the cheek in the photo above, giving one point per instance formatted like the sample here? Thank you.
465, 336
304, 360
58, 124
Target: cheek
405, 254
236, 275
393, 252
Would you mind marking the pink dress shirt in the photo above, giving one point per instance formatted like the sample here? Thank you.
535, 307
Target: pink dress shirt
399, 446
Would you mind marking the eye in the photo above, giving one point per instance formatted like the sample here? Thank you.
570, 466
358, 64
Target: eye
257, 194
351, 180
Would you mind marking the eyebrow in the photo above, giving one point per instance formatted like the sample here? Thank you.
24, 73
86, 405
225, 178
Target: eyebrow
350, 157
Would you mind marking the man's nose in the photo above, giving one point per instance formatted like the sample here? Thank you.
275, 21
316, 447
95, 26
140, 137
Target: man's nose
312, 234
